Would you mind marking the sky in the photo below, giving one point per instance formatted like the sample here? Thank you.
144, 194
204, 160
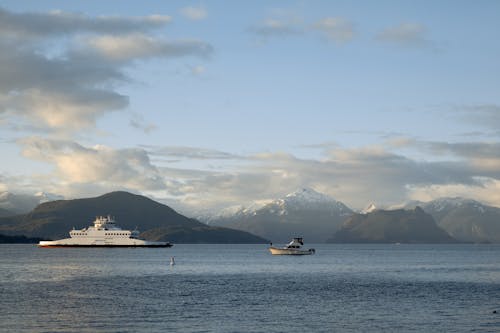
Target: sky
209, 104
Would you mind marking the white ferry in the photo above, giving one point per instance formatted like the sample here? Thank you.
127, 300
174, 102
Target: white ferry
104, 233
292, 248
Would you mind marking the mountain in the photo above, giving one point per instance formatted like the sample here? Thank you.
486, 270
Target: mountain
465, 219
6, 212
371, 208
305, 213
4, 239
391, 226
23, 203
158, 222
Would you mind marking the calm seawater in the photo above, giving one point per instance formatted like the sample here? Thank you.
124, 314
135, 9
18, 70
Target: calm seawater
242, 288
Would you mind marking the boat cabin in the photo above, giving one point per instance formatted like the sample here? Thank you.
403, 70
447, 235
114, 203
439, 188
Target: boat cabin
296, 243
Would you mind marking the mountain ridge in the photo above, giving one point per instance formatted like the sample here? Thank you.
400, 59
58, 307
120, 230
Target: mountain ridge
304, 212
54, 219
391, 226
466, 219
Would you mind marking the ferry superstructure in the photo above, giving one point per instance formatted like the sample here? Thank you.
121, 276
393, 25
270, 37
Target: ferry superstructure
104, 233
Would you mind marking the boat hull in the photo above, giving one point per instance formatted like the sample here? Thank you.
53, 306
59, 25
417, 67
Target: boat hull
295, 252
72, 245
123, 243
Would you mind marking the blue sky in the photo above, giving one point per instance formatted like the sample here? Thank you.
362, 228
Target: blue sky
214, 103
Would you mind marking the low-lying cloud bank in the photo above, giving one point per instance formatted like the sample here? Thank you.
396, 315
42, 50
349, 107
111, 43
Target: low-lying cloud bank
187, 174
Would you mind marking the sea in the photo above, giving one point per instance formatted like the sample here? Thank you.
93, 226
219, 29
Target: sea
243, 288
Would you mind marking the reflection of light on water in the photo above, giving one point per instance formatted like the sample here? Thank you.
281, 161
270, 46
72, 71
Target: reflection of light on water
232, 287
405, 262
26, 263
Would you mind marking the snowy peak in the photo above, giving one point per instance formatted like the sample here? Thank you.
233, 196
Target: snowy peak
45, 197
301, 200
444, 204
308, 194
306, 199
370, 208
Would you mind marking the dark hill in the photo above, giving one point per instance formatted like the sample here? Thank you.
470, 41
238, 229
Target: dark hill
54, 220
4, 239
395, 226
5, 212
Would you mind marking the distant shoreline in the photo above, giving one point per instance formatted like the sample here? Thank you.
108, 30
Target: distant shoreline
19, 239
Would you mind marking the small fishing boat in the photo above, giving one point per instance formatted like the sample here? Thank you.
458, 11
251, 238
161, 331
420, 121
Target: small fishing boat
292, 248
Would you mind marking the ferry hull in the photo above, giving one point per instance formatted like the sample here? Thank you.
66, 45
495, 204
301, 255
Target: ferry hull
296, 252
71, 242
104, 245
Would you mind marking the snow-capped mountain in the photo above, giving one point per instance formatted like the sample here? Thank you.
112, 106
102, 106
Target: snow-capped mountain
305, 212
392, 226
370, 208
465, 219
46, 197
309, 199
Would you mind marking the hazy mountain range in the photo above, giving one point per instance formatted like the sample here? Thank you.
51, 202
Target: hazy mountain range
391, 226
315, 216
54, 219
307, 213
11, 204
464, 219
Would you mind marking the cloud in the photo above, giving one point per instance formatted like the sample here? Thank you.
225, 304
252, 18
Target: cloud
55, 93
57, 23
140, 46
197, 70
137, 121
406, 35
487, 191
194, 13
355, 176
69, 87
65, 111
484, 115
278, 27
101, 165
335, 29
184, 152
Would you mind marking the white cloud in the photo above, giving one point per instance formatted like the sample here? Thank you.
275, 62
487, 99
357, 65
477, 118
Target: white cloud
194, 13
336, 29
140, 46
488, 191
406, 34
278, 27
64, 111
99, 165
